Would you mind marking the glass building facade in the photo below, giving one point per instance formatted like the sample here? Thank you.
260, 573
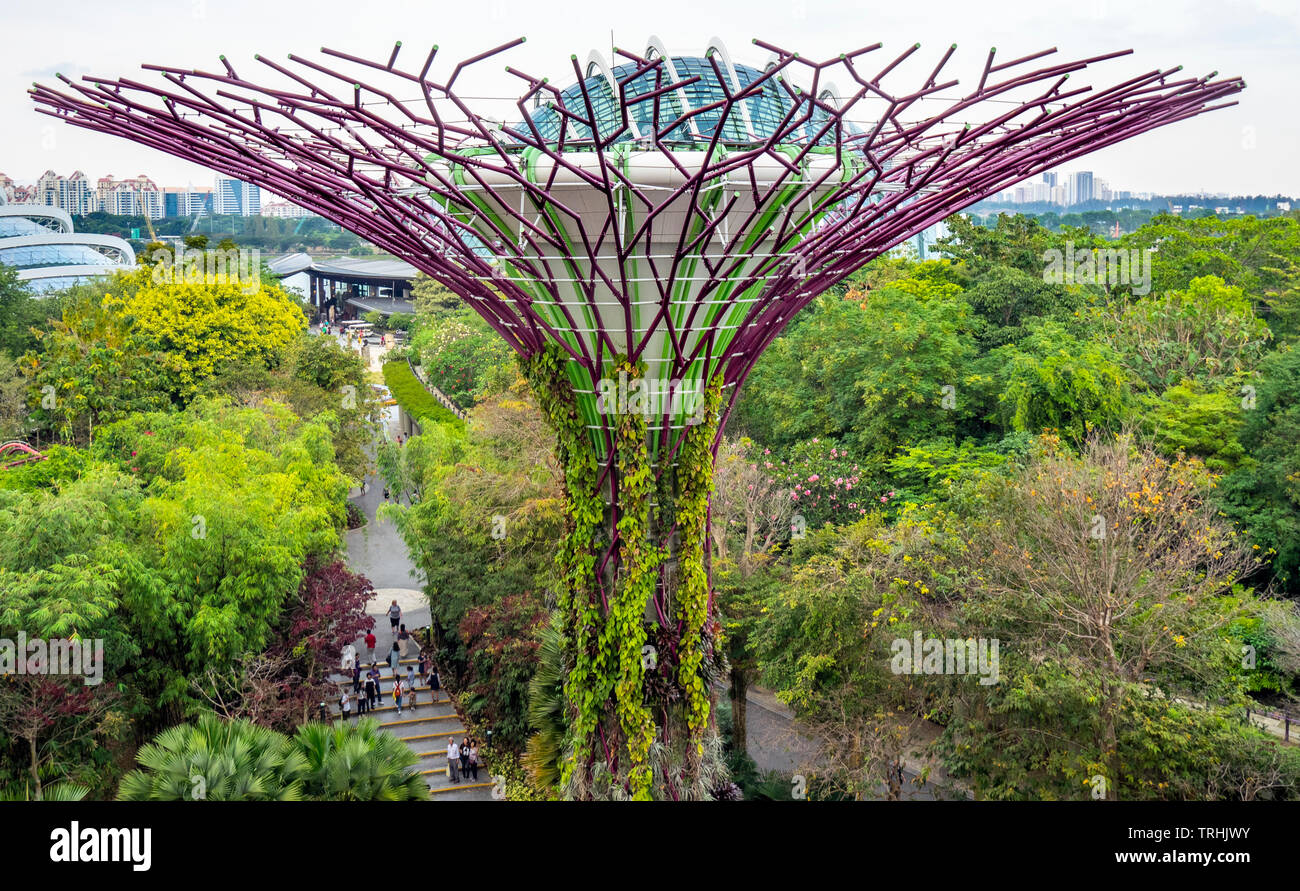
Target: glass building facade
40, 243
773, 110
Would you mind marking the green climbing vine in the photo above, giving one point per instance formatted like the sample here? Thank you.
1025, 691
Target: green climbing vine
603, 640
639, 562
587, 685
695, 482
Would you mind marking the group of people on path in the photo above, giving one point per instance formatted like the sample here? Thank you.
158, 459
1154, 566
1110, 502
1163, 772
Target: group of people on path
368, 692
462, 759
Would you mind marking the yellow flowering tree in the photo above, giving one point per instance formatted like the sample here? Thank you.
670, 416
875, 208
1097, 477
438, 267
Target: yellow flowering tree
206, 326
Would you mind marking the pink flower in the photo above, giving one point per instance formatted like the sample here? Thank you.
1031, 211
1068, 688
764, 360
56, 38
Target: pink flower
767, 451
814, 478
884, 498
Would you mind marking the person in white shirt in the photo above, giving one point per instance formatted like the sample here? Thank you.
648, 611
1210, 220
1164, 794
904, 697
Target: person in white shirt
453, 760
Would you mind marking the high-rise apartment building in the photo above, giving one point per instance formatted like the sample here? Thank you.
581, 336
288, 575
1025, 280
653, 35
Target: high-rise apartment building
70, 194
187, 201
234, 197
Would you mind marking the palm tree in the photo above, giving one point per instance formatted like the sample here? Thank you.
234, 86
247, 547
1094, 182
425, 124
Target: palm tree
55, 792
545, 748
216, 760
358, 763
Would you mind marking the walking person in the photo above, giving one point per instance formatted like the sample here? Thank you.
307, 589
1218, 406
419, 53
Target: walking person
356, 677
373, 676
345, 706
410, 686
453, 760
434, 685
403, 640
363, 706
473, 758
370, 645
371, 693
394, 657
464, 757
424, 667
394, 611
397, 693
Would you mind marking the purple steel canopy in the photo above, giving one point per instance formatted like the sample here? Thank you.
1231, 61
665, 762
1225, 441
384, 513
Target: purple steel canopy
731, 227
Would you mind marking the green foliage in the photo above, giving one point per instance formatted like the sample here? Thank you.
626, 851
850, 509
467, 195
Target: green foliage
1264, 493
216, 760
868, 370
414, 399
1207, 333
463, 356
357, 762
1185, 419
1050, 380
200, 328
19, 312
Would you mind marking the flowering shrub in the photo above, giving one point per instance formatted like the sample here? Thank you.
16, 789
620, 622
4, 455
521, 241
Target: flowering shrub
464, 358
826, 483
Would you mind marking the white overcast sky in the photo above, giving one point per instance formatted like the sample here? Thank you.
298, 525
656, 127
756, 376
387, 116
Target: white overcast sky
1251, 148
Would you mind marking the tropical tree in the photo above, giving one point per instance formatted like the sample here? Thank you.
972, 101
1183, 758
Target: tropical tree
1112, 583
216, 760
358, 762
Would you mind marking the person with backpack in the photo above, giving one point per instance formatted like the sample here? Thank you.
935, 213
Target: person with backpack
453, 760
397, 693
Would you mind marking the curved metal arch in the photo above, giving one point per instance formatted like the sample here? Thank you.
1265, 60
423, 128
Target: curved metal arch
656, 46
715, 45
84, 239
48, 211
596, 61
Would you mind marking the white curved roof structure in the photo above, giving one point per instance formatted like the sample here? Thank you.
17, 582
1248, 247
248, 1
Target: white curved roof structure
41, 243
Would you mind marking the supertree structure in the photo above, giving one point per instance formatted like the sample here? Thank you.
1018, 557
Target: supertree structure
638, 238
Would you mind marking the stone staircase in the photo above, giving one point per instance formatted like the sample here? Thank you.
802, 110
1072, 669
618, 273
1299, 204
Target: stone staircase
426, 730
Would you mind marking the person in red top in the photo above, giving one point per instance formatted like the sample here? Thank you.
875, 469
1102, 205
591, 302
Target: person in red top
370, 645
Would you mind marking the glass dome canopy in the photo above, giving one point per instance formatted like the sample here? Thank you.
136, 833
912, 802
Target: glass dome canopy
753, 120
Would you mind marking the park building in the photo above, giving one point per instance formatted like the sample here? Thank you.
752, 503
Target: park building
39, 241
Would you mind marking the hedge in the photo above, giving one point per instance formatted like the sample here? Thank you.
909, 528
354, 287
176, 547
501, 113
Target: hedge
412, 396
